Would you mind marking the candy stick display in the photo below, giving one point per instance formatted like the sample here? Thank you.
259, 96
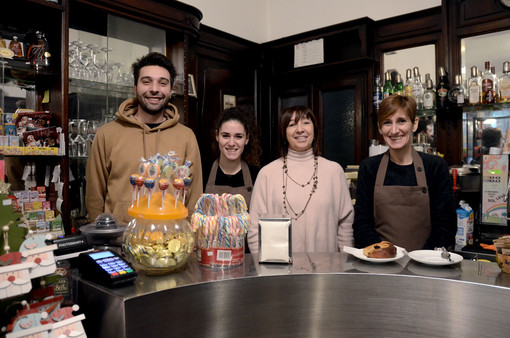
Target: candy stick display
221, 221
163, 185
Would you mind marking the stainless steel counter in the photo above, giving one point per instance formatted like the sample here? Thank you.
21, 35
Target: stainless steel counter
319, 295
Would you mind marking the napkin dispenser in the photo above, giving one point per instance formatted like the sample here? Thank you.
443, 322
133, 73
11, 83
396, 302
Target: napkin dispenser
275, 240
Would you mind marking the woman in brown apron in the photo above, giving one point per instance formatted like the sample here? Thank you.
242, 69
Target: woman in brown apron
403, 196
234, 171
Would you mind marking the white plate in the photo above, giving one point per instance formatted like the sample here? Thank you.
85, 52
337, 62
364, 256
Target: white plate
358, 253
433, 257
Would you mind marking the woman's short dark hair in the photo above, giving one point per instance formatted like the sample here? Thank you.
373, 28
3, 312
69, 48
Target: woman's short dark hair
392, 103
154, 59
253, 150
301, 112
491, 137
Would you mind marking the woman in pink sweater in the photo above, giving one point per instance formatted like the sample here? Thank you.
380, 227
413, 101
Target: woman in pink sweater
303, 186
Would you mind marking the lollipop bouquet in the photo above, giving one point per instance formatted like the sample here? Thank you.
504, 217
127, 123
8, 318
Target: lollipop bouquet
221, 223
159, 239
158, 171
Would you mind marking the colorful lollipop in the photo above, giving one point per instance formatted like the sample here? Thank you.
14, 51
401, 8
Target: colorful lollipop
178, 185
132, 180
153, 170
143, 168
182, 171
149, 184
163, 184
187, 183
139, 180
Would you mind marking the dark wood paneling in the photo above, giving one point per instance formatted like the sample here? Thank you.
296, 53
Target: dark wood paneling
175, 16
225, 64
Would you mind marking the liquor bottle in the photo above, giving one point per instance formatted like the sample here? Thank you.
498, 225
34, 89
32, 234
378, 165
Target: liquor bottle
388, 87
456, 93
408, 87
442, 89
504, 83
474, 87
496, 84
15, 46
399, 85
38, 53
429, 96
487, 85
377, 95
417, 88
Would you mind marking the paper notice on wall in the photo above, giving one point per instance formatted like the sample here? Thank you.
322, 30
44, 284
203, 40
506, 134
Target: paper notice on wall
494, 189
309, 53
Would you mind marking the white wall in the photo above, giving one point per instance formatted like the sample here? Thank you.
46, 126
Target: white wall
266, 20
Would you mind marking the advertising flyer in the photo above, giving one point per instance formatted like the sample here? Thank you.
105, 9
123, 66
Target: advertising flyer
494, 189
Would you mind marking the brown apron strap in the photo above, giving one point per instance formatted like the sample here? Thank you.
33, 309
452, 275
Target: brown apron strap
383, 166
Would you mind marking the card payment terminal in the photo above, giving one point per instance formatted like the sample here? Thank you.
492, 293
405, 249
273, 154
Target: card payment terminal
106, 267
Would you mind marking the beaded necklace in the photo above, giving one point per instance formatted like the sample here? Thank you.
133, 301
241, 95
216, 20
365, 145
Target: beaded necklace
286, 175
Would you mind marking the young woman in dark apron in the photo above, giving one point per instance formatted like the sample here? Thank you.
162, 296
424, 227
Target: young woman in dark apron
239, 155
403, 196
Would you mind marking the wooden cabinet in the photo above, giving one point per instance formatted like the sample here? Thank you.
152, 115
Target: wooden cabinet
41, 88
336, 90
54, 90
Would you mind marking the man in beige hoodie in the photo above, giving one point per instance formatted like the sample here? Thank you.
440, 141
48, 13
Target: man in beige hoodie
145, 125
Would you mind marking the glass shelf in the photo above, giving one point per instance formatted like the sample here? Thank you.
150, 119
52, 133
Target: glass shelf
93, 87
484, 107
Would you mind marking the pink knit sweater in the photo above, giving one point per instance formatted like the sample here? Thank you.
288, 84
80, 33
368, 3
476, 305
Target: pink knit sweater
326, 225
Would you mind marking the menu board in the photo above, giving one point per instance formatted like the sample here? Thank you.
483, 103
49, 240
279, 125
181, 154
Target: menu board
494, 189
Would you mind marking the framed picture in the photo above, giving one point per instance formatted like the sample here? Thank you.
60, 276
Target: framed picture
229, 101
192, 90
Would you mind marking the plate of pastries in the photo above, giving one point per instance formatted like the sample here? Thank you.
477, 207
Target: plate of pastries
381, 252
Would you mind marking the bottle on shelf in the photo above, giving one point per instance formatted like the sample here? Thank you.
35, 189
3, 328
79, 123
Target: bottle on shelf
474, 87
456, 93
442, 88
388, 86
377, 95
39, 53
417, 88
496, 84
504, 83
399, 85
15, 46
429, 96
488, 95
408, 87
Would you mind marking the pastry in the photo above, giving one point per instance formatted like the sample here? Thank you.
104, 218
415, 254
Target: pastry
382, 249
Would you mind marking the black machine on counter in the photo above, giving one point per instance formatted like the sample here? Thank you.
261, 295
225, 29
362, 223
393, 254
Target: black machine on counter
106, 267
105, 233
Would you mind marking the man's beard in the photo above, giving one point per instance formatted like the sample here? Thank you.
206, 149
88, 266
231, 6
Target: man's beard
153, 111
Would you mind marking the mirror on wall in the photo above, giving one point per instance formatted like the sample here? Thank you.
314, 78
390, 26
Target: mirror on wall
423, 57
476, 51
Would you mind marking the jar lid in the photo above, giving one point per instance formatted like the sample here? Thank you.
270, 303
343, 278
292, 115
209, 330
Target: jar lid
154, 209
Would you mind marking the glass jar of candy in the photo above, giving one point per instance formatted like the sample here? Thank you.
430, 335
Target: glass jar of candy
159, 240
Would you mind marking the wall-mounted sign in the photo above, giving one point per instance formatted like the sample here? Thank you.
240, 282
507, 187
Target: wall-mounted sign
309, 53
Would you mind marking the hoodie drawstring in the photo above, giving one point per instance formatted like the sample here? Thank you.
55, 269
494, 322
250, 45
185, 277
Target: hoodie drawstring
158, 135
